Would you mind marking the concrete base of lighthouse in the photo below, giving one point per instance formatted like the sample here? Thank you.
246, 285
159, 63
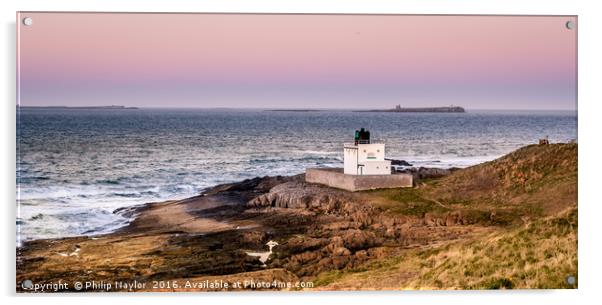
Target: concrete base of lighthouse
334, 177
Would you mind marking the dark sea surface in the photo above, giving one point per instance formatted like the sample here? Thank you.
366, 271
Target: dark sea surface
76, 166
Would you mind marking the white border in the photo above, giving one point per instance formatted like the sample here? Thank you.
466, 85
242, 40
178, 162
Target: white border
590, 153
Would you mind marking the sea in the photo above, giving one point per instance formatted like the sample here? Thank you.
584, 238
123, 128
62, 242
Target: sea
76, 166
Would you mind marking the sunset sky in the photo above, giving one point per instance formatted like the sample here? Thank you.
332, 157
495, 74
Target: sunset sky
296, 61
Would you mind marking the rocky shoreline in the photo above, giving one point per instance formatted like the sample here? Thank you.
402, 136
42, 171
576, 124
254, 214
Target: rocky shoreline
318, 231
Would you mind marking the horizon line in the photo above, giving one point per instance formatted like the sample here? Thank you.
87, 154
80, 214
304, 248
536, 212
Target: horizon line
126, 107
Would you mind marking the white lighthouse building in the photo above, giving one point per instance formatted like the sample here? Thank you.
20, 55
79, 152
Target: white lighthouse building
365, 158
365, 168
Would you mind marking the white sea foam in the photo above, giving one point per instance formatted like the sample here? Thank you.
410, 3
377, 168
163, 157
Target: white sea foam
76, 167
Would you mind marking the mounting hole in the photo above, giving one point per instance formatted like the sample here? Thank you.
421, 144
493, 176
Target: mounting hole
571, 280
27, 21
570, 25
27, 284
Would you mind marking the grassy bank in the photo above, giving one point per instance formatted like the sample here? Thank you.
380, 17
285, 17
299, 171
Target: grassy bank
541, 254
526, 201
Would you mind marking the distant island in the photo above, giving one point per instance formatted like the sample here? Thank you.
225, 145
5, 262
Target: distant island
398, 108
295, 110
82, 107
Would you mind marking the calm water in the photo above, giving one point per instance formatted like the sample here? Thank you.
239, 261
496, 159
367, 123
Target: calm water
76, 166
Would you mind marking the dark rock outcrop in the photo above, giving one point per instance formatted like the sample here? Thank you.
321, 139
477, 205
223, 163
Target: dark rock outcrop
317, 229
421, 173
399, 162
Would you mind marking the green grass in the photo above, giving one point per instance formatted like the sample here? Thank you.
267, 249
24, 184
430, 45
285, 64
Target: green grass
328, 277
530, 183
406, 201
541, 255
530, 195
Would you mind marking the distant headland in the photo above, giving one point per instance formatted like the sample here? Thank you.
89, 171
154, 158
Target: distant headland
398, 108
81, 107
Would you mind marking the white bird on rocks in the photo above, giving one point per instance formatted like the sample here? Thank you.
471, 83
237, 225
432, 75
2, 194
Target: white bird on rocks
263, 256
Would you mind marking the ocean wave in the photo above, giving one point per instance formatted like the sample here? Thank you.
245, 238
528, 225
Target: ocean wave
70, 222
25, 179
293, 159
65, 171
316, 152
447, 162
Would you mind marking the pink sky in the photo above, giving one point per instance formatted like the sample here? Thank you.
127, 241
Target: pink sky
299, 61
